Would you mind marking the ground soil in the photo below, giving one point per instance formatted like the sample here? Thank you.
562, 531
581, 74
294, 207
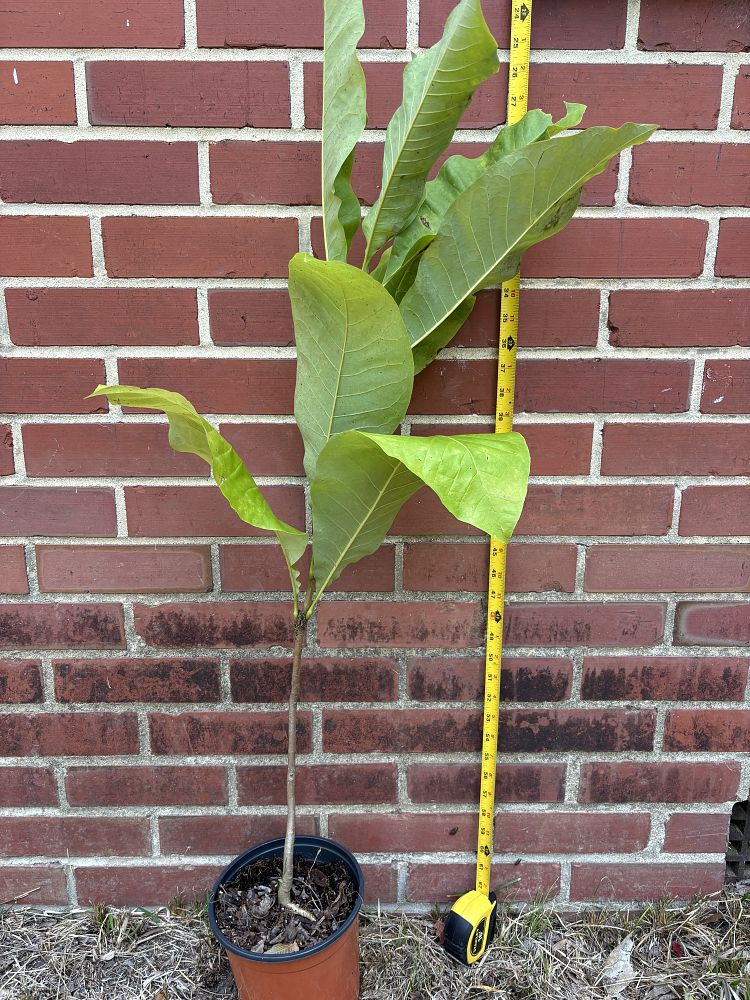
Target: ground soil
249, 914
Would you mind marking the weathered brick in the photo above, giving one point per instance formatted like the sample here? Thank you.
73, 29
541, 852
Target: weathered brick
674, 568
27, 787
462, 679
460, 782
696, 833
323, 679
700, 623
229, 835
413, 624
228, 94
672, 678
226, 733
181, 785
400, 833
113, 681
707, 730
319, 784
50, 385
552, 317
732, 257
701, 26
109, 24
7, 461
676, 450
228, 625
640, 882
75, 836
597, 510
177, 247
740, 112
688, 318
652, 781
61, 626
445, 566
441, 883
726, 386
268, 449
140, 569
20, 682
53, 246
57, 511
715, 510
99, 172
255, 316
47, 317
46, 884
689, 173
76, 734
584, 624
148, 885
37, 93
262, 567
13, 578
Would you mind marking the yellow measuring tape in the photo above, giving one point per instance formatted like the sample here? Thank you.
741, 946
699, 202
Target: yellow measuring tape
518, 97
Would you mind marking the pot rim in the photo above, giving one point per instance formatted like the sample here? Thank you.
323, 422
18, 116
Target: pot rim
275, 847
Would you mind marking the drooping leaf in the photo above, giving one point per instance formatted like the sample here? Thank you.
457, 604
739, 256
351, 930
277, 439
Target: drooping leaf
438, 85
362, 481
520, 200
190, 432
354, 360
573, 116
344, 119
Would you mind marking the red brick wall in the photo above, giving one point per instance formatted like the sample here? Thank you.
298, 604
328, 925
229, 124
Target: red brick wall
159, 169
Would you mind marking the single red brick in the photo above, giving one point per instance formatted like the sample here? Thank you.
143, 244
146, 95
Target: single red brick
413, 624
597, 510
74, 734
436, 883
20, 682
741, 112
61, 626
319, 784
521, 731
76, 836
584, 624
57, 511
265, 173
733, 254
230, 835
199, 93
100, 172
146, 885
689, 173
146, 786
462, 679
621, 248
672, 678
575, 24
676, 450
572, 832
179, 247
702, 26
113, 681
556, 449
226, 625
460, 782
13, 578
700, 623
726, 387
171, 511
715, 510
722, 730
51, 246
7, 462
233, 24
267, 449
47, 317
226, 733
652, 781
27, 787
50, 385
262, 567
642, 882
110, 24
104, 451
255, 316
37, 93
140, 569
45, 884
323, 679
696, 833
441, 566
564, 317
673, 568
707, 318
389, 833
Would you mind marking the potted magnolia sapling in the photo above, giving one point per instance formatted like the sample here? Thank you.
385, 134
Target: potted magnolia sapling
286, 911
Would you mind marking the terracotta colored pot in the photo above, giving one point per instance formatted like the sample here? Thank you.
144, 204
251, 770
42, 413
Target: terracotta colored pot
329, 971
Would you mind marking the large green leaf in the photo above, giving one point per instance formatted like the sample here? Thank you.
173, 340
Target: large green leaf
344, 119
190, 432
438, 85
354, 360
520, 200
362, 480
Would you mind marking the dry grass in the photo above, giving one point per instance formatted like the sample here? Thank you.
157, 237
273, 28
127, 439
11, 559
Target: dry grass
692, 952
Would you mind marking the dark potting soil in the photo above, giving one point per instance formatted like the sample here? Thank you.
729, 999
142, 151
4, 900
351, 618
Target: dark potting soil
249, 914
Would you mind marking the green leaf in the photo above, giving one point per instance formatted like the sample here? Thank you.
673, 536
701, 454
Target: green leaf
354, 360
573, 116
190, 432
520, 200
362, 481
438, 85
344, 119
426, 350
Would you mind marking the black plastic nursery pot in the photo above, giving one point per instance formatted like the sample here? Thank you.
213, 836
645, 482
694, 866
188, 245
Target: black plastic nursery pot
330, 970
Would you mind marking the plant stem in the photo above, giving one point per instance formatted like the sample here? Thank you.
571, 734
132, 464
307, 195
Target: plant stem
285, 883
